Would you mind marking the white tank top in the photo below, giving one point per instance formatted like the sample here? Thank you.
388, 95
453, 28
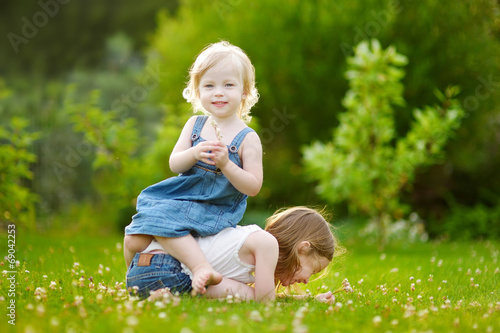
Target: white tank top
221, 251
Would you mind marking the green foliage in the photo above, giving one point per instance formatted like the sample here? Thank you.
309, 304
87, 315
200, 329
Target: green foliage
17, 202
366, 163
468, 223
300, 58
119, 170
54, 37
114, 142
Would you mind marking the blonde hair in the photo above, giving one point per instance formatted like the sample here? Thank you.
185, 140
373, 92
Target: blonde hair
212, 55
291, 227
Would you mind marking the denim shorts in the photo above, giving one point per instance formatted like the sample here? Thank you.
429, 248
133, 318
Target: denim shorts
164, 271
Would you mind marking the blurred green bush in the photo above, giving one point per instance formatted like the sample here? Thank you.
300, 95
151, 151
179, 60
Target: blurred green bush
17, 200
299, 49
366, 163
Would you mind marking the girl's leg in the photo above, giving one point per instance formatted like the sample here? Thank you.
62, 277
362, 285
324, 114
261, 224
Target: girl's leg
133, 244
186, 250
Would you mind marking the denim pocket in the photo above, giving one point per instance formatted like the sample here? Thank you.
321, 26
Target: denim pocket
163, 272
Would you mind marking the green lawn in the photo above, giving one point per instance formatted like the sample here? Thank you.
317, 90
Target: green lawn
77, 285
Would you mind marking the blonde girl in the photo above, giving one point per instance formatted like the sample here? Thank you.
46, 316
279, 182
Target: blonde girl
219, 162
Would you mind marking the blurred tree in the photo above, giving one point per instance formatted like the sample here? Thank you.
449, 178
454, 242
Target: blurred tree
17, 201
367, 164
299, 56
50, 37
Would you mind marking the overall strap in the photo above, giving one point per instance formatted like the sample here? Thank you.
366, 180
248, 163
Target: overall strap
238, 139
198, 125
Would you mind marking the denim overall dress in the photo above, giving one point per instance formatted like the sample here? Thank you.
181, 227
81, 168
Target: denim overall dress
200, 201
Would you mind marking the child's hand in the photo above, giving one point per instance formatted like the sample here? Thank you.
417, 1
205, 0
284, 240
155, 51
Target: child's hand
326, 298
220, 154
204, 151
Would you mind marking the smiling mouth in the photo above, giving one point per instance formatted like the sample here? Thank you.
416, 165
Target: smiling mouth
219, 103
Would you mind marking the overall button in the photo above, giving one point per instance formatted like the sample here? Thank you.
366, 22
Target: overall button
233, 149
194, 137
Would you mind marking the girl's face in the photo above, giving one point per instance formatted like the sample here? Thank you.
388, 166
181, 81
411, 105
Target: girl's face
310, 264
221, 90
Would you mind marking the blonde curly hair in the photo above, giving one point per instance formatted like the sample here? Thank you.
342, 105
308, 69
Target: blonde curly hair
211, 56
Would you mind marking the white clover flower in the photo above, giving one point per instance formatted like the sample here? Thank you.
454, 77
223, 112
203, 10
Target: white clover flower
159, 305
132, 321
78, 300
54, 321
255, 316
40, 309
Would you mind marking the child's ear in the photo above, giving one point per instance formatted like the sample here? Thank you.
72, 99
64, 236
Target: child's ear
304, 247
244, 96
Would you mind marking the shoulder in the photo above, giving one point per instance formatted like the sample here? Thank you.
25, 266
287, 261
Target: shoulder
262, 241
191, 121
189, 125
251, 140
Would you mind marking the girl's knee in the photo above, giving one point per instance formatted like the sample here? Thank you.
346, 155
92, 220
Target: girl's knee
137, 243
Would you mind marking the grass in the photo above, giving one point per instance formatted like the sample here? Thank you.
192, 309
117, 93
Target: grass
76, 284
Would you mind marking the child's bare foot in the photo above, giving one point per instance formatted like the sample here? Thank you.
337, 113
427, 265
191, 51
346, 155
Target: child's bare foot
204, 275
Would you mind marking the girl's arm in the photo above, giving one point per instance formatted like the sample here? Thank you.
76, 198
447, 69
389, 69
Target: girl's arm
184, 156
264, 248
230, 287
266, 253
247, 180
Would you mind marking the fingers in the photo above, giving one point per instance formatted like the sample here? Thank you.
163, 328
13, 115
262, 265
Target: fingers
327, 297
212, 152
